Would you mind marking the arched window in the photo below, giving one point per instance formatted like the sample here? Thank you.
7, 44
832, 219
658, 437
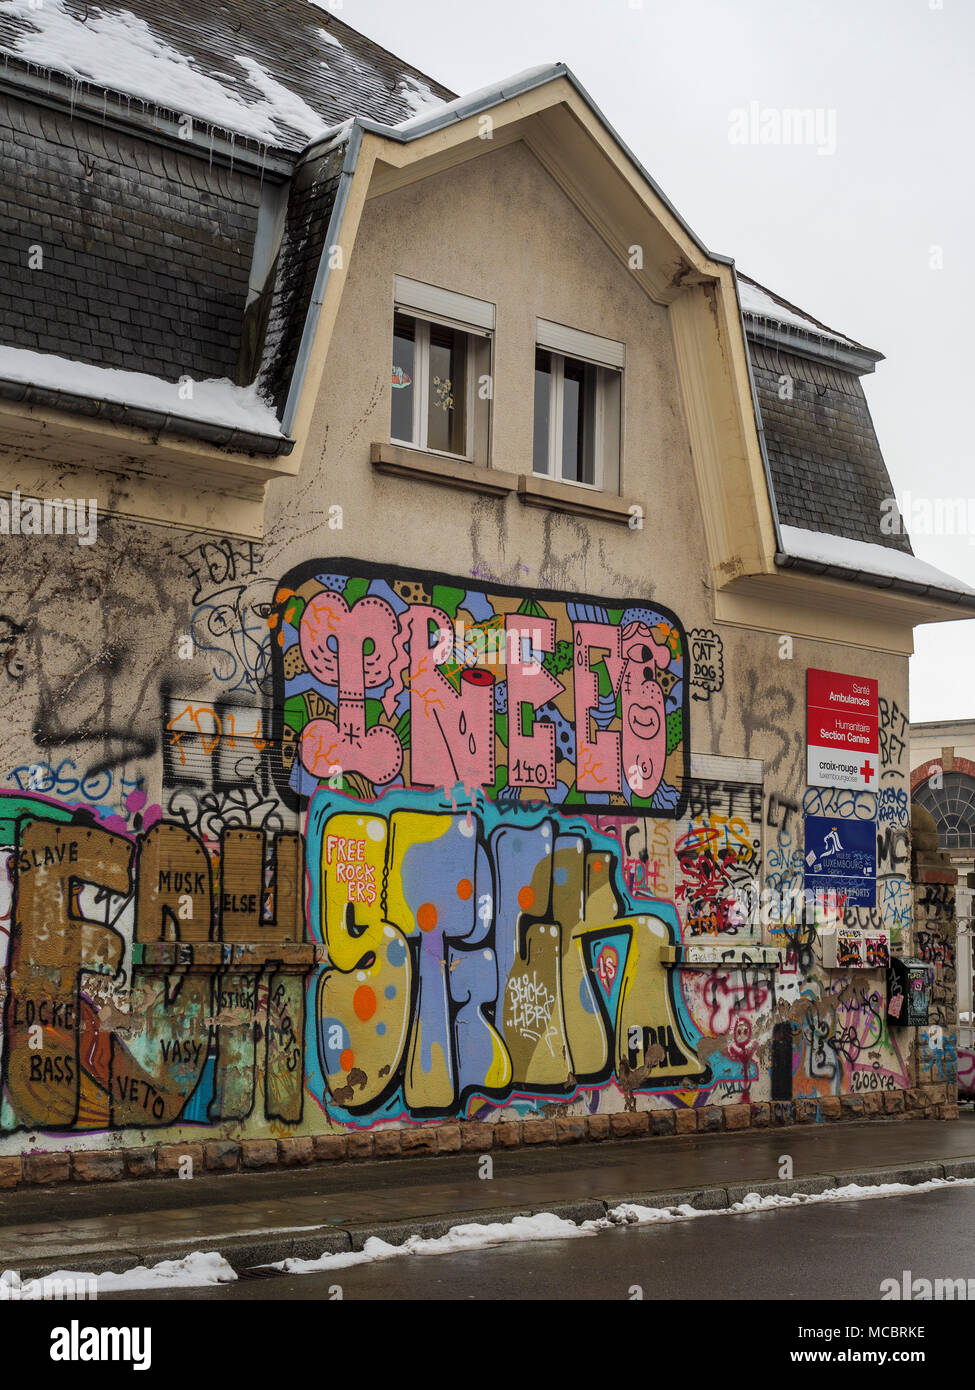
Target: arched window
953, 808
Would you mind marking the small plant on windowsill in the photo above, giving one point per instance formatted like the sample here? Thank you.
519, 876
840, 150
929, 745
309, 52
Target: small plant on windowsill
444, 393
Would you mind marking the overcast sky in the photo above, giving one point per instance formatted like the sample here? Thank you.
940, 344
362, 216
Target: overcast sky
875, 239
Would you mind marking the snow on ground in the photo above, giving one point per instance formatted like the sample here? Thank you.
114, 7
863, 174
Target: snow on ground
863, 555
120, 51
194, 1270
629, 1214
546, 1226
191, 1272
211, 1268
214, 402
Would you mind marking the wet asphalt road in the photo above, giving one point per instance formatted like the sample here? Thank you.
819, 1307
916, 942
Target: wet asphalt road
828, 1251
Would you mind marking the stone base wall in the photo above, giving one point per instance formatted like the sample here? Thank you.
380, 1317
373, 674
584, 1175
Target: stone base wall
938, 1102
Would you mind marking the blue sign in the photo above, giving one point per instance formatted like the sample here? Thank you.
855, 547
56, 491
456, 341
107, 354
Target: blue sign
841, 857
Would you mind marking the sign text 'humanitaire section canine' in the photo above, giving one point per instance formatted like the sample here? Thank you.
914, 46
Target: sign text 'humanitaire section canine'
841, 731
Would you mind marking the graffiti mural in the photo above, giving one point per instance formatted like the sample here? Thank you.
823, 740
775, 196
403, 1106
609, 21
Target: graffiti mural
707, 664
432, 848
231, 603
455, 956
146, 981
217, 768
387, 679
841, 1043
485, 952
719, 857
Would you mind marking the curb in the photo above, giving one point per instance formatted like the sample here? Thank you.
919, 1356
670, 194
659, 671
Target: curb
86, 1167
245, 1253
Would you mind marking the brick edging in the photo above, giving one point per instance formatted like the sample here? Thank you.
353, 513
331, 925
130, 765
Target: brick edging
464, 1136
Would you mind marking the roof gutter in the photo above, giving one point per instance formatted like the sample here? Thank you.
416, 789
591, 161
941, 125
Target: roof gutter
816, 346
229, 149
875, 581
141, 417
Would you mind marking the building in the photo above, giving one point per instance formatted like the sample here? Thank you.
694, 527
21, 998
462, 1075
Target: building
417, 545
943, 784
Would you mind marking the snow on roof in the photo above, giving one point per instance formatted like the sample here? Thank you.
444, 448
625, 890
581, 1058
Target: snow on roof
470, 99
276, 73
758, 302
867, 558
283, 107
120, 51
419, 97
212, 402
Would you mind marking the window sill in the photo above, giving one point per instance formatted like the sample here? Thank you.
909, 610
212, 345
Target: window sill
536, 491
436, 468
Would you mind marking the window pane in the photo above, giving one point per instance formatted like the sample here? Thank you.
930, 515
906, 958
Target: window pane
543, 401
404, 372
578, 422
447, 396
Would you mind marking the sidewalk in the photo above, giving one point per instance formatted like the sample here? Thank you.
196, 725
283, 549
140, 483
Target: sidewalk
254, 1218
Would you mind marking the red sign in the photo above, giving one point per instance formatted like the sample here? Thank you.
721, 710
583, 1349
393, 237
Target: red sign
851, 732
830, 690
842, 730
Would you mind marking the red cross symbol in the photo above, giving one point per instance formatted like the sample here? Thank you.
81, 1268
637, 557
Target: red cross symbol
866, 772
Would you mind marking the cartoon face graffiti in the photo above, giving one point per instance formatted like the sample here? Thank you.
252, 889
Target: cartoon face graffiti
644, 709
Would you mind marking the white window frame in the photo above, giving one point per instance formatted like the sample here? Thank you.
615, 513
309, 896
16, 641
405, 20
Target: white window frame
557, 340
426, 305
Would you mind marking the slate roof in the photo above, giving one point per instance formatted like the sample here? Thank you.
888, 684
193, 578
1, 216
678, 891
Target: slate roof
828, 473
310, 207
303, 47
151, 250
